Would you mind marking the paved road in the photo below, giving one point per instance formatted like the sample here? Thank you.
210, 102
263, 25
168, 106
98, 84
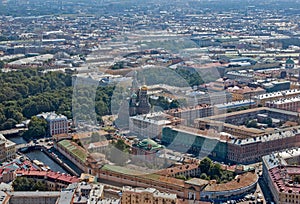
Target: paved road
40, 142
12, 131
265, 190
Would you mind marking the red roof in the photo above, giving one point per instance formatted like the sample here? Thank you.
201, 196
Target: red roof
49, 174
282, 184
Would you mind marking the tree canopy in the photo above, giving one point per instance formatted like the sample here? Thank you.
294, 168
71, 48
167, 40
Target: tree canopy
37, 128
210, 170
205, 165
29, 92
28, 184
26, 93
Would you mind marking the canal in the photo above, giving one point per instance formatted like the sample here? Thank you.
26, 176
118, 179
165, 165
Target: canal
43, 157
17, 139
67, 161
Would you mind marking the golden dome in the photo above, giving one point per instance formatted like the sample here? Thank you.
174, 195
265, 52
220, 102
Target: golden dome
144, 88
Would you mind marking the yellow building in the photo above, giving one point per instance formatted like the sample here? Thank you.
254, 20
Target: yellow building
2, 151
245, 93
146, 196
8, 149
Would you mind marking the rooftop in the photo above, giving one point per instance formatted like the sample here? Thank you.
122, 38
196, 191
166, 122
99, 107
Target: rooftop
211, 133
278, 94
220, 120
178, 169
158, 194
153, 191
222, 116
143, 174
49, 116
49, 174
246, 89
138, 190
122, 170
74, 149
158, 118
197, 182
279, 158
185, 109
32, 194
66, 196
281, 177
96, 193
239, 182
149, 144
288, 132
108, 201
235, 104
281, 172
285, 100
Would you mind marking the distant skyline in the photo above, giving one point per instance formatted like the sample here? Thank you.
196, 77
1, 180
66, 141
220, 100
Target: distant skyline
41, 7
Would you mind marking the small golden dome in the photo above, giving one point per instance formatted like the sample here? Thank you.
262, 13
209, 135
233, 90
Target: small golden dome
144, 88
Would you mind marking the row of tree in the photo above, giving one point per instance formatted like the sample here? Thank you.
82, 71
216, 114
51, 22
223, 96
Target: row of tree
28, 184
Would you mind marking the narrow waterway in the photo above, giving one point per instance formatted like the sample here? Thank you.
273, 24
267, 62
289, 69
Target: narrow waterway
67, 161
41, 156
17, 139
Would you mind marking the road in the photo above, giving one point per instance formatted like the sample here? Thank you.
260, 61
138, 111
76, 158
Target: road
265, 190
40, 142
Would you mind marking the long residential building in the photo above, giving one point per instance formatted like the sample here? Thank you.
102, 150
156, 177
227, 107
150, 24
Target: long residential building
21, 197
281, 171
263, 98
233, 123
289, 104
192, 190
228, 147
245, 93
146, 195
233, 106
189, 114
253, 149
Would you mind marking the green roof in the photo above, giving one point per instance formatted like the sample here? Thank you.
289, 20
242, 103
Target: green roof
74, 149
149, 144
120, 169
127, 171
289, 61
133, 95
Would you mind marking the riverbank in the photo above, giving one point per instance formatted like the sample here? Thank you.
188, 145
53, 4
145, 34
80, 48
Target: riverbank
65, 166
45, 146
54, 158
